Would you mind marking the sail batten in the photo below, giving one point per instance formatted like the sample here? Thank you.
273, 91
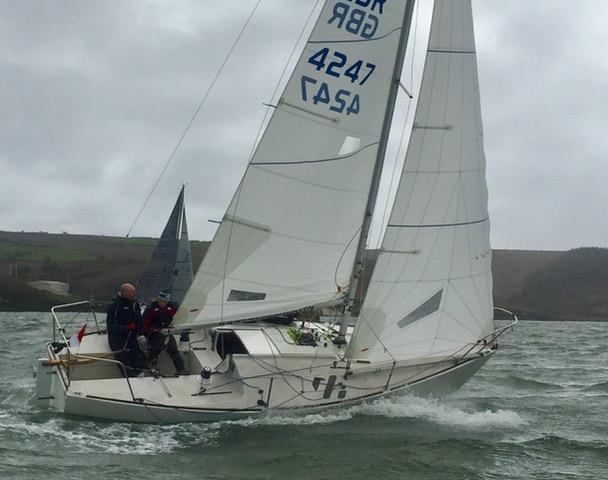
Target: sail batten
439, 300
439, 225
326, 130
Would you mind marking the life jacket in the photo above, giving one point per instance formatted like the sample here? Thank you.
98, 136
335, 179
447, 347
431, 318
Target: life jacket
157, 317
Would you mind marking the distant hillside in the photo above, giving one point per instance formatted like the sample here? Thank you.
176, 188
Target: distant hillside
511, 269
92, 265
547, 285
572, 285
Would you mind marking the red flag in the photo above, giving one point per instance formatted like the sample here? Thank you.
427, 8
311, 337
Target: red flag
77, 337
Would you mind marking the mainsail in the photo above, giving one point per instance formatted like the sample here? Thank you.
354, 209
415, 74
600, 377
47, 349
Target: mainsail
170, 266
289, 237
431, 290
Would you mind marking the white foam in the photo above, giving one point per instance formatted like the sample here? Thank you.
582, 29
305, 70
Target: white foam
311, 419
441, 413
89, 437
434, 411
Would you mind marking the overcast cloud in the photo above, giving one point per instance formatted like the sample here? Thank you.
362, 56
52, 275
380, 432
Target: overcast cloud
95, 94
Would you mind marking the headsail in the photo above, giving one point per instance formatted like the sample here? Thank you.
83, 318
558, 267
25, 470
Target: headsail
158, 273
431, 289
289, 237
182, 274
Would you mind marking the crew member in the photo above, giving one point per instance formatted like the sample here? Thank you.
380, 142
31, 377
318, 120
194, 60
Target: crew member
158, 316
123, 322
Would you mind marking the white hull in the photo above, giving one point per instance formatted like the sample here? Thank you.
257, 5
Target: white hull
282, 385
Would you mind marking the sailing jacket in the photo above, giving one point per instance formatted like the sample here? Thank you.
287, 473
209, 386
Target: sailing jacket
122, 312
157, 317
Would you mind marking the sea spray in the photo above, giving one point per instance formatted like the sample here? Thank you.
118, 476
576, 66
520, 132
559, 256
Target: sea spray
441, 412
431, 410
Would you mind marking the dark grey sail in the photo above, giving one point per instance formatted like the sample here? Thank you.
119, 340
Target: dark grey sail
158, 273
183, 273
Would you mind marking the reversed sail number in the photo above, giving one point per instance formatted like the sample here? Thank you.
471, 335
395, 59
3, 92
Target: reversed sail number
319, 92
355, 20
339, 66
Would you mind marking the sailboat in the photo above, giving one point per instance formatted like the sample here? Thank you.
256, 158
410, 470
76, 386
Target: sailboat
170, 267
294, 237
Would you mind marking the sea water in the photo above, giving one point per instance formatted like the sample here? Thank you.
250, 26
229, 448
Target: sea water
537, 410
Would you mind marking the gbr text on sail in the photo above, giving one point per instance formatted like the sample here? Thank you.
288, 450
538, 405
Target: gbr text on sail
359, 17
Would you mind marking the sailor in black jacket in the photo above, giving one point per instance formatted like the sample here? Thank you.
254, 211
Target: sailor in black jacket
124, 323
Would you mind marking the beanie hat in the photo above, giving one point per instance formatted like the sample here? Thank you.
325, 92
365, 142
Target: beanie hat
164, 295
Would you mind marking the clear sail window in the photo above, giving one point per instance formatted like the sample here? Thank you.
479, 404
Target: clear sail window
350, 145
243, 296
424, 310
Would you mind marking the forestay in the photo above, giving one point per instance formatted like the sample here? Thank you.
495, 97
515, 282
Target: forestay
431, 291
289, 237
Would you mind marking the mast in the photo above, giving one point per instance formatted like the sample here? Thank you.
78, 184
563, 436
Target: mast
377, 174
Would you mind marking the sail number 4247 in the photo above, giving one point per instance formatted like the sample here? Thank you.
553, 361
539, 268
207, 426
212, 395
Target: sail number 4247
336, 64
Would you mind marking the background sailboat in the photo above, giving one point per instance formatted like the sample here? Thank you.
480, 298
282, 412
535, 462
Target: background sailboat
170, 266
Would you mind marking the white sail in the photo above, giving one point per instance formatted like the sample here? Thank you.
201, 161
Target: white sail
289, 237
431, 290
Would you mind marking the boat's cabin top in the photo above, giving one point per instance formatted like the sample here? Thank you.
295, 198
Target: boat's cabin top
265, 339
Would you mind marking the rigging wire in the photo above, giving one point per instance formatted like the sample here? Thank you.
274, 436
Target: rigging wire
194, 116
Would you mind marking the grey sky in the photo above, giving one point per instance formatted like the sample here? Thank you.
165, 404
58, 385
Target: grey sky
95, 94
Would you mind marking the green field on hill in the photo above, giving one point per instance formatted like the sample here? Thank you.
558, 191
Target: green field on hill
10, 251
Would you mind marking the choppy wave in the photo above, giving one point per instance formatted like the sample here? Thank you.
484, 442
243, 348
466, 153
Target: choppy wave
442, 413
530, 383
597, 387
114, 438
556, 441
525, 415
430, 410
133, 439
